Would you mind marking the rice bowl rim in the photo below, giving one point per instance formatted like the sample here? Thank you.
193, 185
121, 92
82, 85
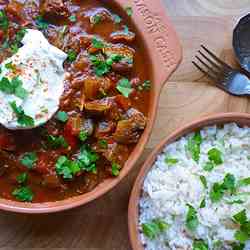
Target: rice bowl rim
241, 119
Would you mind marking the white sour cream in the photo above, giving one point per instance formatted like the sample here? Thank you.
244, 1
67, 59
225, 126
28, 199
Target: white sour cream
39, 66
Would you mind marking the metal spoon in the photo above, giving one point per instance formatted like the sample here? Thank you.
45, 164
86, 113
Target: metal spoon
241, 42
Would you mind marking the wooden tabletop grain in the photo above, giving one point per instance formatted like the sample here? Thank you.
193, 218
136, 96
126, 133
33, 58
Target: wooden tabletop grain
103, 223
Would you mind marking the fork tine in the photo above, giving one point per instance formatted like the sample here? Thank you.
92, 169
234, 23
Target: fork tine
211, 61
207, 66
216, 58
221, 86
204, 71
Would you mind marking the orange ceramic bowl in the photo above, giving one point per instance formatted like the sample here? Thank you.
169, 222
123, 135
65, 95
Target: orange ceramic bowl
164, 54
133, 213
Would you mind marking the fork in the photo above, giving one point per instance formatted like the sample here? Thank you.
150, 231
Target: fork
223, 75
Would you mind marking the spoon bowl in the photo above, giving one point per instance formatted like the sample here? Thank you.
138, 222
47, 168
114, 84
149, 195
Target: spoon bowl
241, 42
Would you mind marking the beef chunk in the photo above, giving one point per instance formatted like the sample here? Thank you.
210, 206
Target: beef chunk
54, 8
128, 131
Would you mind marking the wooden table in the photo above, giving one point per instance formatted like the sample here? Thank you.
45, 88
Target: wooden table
103, 223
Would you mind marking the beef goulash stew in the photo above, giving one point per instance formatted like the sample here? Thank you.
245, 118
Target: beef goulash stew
103, 105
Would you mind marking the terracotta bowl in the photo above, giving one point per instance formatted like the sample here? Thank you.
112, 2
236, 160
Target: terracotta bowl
133, 213
164, 54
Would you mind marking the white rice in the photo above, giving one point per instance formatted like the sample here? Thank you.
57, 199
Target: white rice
168, 189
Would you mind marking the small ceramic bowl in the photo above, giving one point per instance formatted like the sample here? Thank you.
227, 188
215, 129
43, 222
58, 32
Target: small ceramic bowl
133, 213
163, 51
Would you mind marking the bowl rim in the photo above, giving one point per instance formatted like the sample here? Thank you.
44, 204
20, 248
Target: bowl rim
160, 41
242, 119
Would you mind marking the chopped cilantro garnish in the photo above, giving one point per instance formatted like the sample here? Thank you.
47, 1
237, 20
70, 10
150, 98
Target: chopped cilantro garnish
101, 69
86, 161
72, 18
236, 246
124, 87
23, 194
57, 141
191, 218
71, 55
129, 11
115, 169
117, 19
146, 86
203, 181
200, 245
244, 182
62, 116
242, 236
97, 43
10, 66
218, 190
22, 178
240, 217
209, 166
83, 135
171, 161
215, 156
103, 144
22, 118
66, 168
29, 159
96, 19
152, 229
4, 22
203, 203
193, 146
17, 42
41, 23
13, 87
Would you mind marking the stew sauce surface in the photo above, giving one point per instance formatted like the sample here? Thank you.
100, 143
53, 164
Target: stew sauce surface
102, 111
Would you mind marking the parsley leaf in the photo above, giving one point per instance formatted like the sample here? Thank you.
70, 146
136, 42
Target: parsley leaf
218, 190
23, 194
66, 167
117, 19
41, 23
240, 217
209, 166
97, 43
200, 245
62, 116
152, 229
124, 87
115, 169
244, 182
129, 11
193, 146
87, 159
191, 218
72, 18
203, 181
83, 135
22, 118
22, 178
4, 22
29, 159
241, 236
215, 156
146, 86
171, 161
236, 246
57, 141
103, 144
96, 19
71, 55
203, 203
13, 87
17, 42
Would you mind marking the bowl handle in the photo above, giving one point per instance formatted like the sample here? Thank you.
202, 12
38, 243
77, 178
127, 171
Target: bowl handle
160, 38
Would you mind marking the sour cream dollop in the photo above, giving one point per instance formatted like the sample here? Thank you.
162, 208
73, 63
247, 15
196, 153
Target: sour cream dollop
39, 67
